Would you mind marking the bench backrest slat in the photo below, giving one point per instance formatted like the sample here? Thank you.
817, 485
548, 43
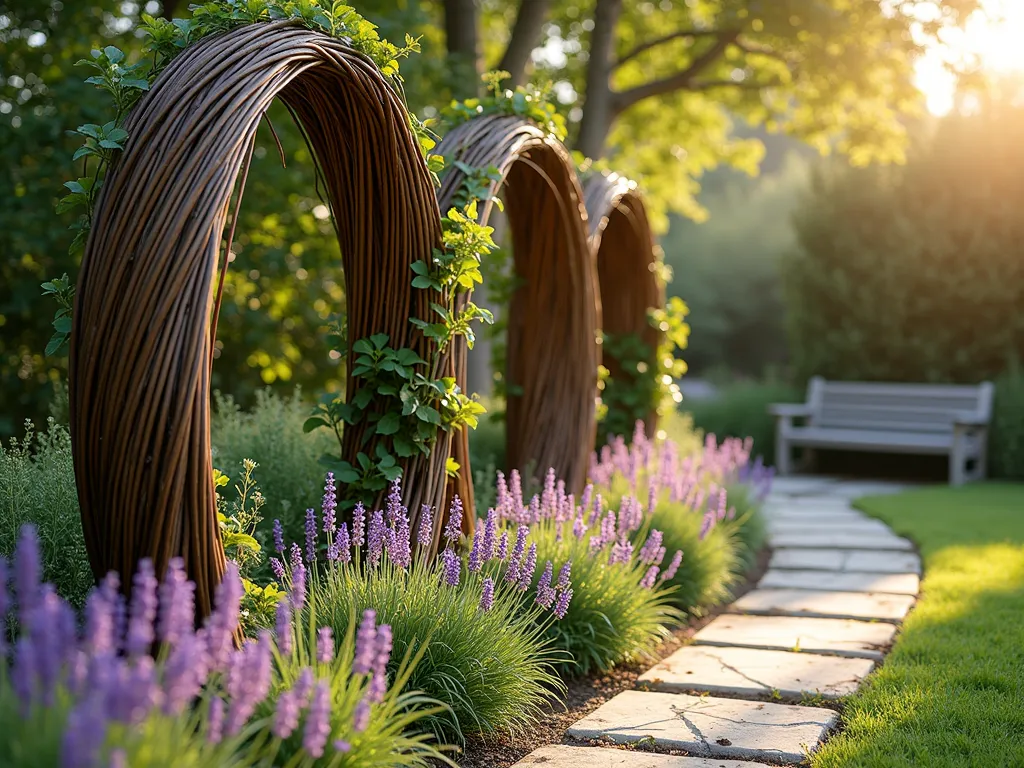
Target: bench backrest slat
904, 408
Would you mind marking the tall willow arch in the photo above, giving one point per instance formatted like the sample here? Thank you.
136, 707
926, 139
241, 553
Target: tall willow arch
553, 353
141, 351
625, 248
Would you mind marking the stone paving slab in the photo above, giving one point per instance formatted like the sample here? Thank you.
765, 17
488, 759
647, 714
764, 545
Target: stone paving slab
835, 605
708, 726
839, 637
561, 756
843, 581
863, 527
830, 540
801, 486
815, 515
752, 672
845, 560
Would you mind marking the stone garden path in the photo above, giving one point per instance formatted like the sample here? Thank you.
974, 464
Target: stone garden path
748, 691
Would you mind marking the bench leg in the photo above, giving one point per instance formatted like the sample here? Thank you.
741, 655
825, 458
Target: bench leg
783, 465
957, 466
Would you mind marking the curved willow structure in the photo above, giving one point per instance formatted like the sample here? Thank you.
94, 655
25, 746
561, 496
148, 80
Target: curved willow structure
141, 351
554, 316
621, 238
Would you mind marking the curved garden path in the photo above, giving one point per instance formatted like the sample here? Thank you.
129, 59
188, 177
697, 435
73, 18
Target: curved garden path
753, 688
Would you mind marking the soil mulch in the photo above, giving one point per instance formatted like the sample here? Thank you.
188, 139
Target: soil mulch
586, 694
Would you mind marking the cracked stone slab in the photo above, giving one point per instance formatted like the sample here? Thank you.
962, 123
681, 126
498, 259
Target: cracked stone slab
845, 560
753, 672
832, 540
843, 581
818, 604
561, 756
709, 727
839, 637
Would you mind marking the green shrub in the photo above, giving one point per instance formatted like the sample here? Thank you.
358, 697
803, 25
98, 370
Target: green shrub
289, 475
914, 273
748, 527
612, 618
37, 485
709, 566
1006, 444
741, 410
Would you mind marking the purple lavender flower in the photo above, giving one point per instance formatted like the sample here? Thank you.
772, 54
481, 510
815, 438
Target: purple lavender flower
304, 685
297, 594
84, 734
670, 572
652, 551
579, 526
27, 570
608, 528
295, 560
340, 745
515, 559
278, 568
318, 721
545, 594
330, 505
375, 538
215, 722
221, 624
358, 524
562, 603
425, 531
324, 645
400, 550
394, 505
100, 629
517, 490
310, 536
248, 682
366, 644
706, 524
143, 610
476, 560
286, 717
548, 499
177, 603
528, 567
184, 674
652, 496
278, 537
502, 500
622, 552
453, 528
342, 545
490, 535
283, 627
379, 682
487, 594
361, 716
451, 567
502, 551
647, 582
588, 494
564, 574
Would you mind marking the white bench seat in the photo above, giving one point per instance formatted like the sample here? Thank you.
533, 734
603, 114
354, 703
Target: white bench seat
890, 418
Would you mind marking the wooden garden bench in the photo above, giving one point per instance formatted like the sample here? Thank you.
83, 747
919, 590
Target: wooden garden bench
889, 418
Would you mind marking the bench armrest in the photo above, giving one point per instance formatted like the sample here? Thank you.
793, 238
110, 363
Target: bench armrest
790, 410
969, 419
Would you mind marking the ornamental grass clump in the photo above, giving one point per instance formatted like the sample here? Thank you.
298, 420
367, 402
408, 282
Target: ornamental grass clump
689, 502
483, 654
95, 696
621, 605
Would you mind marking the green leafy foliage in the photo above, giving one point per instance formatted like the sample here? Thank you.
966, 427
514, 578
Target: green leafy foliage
533, 102
914, 274
37, 485
63, 293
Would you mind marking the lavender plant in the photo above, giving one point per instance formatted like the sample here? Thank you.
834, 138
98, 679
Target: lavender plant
621, 606
79, 698
485, 655
689, 501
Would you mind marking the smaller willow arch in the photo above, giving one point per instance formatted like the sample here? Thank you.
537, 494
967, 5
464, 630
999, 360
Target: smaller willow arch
554, 316
141, 351
627, 260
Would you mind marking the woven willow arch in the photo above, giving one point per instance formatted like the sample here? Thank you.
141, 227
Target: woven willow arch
141, 351
621, 237
553, 352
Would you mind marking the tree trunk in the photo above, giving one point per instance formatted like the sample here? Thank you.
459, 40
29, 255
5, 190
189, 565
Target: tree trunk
461, 27
524, 38
597, 107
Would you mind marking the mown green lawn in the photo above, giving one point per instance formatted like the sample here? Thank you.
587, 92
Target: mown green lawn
951, 693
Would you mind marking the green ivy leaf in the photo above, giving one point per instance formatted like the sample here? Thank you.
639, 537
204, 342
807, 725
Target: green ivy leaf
388, 424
